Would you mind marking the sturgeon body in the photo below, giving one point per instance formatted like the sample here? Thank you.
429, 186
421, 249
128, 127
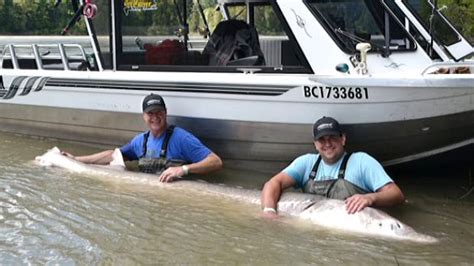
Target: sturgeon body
318, 210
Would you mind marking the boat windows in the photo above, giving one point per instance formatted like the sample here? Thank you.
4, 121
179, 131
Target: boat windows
351, 22
211, 35
417, 35
433, 22
442, 36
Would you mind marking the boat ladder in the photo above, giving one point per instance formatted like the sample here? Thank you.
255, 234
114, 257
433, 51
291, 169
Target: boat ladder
40, 56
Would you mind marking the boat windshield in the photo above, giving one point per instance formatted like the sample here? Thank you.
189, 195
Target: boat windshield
353, 21
204, 35
433, 21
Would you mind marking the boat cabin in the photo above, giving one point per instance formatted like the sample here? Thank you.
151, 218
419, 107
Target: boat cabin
203, 36
266, 36
311, 36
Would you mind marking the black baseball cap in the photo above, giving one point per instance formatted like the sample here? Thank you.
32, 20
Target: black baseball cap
153, 102
326, 126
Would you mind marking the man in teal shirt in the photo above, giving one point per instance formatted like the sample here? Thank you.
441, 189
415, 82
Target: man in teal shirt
356, 178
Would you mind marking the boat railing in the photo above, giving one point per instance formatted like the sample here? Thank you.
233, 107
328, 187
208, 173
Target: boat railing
466, 67
41, 56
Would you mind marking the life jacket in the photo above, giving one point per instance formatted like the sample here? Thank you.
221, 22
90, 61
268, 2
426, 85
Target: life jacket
158, 165
338, 188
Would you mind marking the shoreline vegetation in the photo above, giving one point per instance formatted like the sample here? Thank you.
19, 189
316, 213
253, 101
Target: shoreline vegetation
41, 17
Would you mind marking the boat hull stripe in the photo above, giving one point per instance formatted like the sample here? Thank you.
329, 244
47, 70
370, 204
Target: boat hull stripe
14, 87
175, 87
29, 85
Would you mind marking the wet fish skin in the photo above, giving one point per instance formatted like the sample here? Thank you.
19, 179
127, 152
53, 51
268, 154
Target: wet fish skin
318, 210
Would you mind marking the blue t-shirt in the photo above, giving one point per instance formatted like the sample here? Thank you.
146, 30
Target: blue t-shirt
361, 170
181, 146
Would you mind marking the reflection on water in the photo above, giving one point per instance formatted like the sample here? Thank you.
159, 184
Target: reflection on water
52, 216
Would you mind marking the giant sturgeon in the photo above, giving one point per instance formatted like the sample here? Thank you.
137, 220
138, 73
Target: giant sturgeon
318, 210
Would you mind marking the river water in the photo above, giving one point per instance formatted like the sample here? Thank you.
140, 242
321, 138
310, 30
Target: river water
50, 216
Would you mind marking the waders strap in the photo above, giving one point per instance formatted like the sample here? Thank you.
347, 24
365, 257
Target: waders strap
314, 171
342, 169
164, 146
145, 142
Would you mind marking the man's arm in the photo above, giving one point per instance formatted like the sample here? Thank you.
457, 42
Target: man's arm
386, 196
272, 191
103, 157
209, 164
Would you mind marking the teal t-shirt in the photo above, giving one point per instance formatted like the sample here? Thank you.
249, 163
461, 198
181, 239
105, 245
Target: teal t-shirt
361, 170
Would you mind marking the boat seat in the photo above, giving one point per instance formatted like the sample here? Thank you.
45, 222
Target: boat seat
234, 40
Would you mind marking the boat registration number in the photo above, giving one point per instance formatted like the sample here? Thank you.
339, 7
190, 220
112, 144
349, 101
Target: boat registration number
328, 92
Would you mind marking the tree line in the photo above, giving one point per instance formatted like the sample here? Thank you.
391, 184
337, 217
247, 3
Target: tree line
461, 14
41, 17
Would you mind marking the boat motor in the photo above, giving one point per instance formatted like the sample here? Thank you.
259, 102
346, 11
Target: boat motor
363, 48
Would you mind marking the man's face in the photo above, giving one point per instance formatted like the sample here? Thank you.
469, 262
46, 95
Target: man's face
331, 147
156, 121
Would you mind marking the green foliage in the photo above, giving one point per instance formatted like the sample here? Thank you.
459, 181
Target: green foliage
42, 18
37, 18
461, 14
213, 17
266, 21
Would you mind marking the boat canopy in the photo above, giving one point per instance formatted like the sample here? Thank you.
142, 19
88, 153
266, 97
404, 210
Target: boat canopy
350, 22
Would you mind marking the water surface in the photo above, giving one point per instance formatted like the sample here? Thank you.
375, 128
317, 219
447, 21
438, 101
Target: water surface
53, 216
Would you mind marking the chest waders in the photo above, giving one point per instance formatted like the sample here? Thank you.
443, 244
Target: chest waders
157, 165
338, 188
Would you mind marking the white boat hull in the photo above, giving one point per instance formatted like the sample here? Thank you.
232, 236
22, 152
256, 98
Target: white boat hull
260, 118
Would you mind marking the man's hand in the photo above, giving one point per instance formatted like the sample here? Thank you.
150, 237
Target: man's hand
388, 195
358, 202
171, 174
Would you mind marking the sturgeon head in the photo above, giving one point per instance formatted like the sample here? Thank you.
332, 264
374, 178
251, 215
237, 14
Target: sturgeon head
113, 171
53, 157
369, 221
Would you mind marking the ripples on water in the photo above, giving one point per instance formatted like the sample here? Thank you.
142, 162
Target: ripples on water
52, 216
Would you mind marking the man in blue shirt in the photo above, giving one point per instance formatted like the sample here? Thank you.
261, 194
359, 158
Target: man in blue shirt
356, 178
169, 151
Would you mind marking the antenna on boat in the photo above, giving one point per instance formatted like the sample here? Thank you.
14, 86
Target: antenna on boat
433, 11
183, 26
86, 9
203, 16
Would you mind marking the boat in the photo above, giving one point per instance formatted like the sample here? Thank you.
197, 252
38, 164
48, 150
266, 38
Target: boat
249, 77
